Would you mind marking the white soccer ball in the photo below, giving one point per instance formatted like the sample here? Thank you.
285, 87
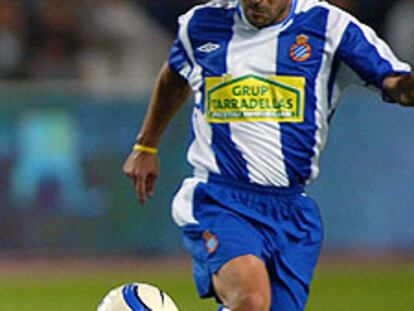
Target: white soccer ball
137, 297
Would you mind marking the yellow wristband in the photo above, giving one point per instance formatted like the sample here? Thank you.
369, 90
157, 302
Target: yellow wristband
142, 148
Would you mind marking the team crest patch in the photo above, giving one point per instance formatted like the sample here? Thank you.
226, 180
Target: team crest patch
301, 49
211, 241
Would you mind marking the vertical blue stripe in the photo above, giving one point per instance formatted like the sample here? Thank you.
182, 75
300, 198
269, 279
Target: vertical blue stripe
298, 139
215, 25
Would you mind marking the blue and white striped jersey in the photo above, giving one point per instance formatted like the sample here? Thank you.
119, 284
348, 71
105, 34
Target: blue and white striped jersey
263, 97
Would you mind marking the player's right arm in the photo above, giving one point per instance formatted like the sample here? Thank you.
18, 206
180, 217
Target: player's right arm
170, 92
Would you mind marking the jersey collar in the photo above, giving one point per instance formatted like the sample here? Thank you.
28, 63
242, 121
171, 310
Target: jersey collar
279, 24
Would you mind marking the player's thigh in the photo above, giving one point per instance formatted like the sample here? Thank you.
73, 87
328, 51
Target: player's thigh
241, 277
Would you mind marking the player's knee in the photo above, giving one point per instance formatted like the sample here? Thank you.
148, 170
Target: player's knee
251, 301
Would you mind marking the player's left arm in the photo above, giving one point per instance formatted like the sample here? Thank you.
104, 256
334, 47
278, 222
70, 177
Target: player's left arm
400, 88
374, 61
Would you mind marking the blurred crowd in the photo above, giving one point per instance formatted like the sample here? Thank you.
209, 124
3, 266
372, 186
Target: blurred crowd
102, 42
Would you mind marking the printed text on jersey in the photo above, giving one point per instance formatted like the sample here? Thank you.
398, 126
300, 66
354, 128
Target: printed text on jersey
253, 98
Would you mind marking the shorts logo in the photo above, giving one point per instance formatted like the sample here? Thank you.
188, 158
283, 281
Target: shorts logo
211, 241
254, 98
301, 50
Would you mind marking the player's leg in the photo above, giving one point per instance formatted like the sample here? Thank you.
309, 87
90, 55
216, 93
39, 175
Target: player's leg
225, 242
243, 284
291, 268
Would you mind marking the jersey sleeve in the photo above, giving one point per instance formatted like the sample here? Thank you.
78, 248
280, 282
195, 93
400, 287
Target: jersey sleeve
179, 59
369, 56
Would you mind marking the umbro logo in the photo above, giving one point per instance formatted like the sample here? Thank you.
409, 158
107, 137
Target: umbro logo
208, 47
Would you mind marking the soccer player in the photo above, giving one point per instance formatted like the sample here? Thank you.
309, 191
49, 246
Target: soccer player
263, 73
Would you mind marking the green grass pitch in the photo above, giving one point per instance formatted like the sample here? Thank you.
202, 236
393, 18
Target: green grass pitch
77, 286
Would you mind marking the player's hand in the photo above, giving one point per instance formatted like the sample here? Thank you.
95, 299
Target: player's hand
401, 89
143, 169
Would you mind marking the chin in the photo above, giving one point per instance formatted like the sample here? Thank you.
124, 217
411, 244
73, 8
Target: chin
258, 22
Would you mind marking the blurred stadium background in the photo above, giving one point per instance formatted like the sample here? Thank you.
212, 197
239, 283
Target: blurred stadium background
75, 80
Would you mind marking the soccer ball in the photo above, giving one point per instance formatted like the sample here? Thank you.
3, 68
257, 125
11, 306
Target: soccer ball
137, 297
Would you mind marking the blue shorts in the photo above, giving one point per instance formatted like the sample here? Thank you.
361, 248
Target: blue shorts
222, 219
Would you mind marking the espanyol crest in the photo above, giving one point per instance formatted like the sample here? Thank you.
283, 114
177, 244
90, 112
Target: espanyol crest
301, 49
